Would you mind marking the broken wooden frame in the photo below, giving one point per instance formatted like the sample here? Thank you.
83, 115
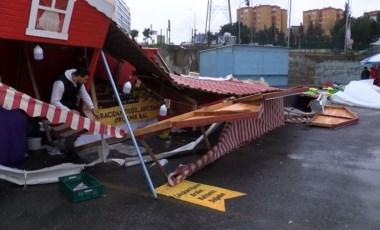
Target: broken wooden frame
334, 116
231, 109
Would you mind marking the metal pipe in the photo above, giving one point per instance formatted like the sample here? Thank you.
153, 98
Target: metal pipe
129, 127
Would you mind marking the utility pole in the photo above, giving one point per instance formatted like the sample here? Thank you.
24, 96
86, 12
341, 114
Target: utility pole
212, 10
290, 15
169, 31
346, 25
194, 31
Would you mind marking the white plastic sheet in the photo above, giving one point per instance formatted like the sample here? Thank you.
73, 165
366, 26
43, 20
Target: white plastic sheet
359, 93
42, 176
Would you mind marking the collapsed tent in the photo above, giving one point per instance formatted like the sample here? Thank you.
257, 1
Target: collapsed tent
359, 93
246, 119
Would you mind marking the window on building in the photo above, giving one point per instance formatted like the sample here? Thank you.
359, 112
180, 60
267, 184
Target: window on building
50, 18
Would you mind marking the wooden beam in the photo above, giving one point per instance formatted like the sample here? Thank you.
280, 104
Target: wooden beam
249, 98
160, 126
205, 137
216, 106
285, 93
35, 89
149, 150
199, 121
221, 112
92, 67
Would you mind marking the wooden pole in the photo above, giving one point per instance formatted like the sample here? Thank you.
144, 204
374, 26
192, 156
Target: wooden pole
35, 89
149, 150
205, 137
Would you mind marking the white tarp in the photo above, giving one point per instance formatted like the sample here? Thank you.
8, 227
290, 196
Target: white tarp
359, 93
51, 174
132, 161
42, 176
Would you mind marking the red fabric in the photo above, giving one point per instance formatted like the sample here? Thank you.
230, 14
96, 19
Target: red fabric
234, 135
374, 74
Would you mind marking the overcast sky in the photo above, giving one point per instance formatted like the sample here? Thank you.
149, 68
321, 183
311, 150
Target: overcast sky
183, 14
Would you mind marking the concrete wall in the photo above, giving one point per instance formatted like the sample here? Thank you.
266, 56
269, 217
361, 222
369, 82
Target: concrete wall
305, 68
337, 71
246, 62
316, 68
181, 60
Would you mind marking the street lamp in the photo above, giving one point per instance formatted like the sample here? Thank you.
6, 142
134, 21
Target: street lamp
195, 30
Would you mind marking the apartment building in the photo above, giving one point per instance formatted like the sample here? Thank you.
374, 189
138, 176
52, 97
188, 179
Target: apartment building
372, 14
122, 15
324, 18
262, 16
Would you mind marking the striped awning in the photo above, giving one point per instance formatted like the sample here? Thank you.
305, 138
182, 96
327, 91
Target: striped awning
235, 134
71, 123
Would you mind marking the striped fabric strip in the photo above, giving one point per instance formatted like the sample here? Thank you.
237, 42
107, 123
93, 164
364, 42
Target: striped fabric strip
65, 123
234, 135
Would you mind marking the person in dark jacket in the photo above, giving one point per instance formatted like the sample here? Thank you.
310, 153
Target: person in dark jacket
68, 88
365, 74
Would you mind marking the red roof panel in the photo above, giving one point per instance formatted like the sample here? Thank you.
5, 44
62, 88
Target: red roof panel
227, 87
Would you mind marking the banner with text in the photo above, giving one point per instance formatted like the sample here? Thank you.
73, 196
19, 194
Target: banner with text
144, 110
201, 194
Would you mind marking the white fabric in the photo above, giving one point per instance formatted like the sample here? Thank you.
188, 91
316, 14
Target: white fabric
59, 89
132, 161
42, 176
49, 21
375, 59
107, 7
359, 93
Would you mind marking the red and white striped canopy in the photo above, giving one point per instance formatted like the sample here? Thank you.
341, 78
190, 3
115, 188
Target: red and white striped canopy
13, 99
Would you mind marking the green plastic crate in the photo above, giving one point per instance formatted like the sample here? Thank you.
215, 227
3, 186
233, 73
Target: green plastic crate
80, 187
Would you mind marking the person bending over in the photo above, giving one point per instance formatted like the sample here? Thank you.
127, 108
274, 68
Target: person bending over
68, 88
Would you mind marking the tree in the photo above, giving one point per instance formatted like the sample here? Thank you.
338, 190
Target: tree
211, 37
301, 31
245, 34
338, 34
147, 34
233, 29
229, 28
364, 30
134, 34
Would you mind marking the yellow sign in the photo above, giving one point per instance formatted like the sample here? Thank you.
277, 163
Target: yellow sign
135, 112
201, 194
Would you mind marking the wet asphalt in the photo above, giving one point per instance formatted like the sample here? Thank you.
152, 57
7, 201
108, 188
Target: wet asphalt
295, 177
